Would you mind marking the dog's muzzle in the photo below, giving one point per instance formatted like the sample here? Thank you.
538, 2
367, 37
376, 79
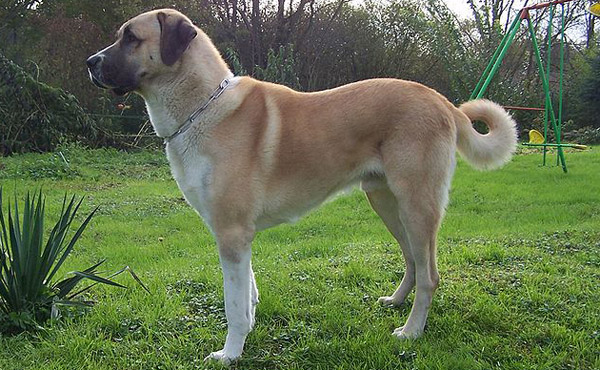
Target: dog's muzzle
96, 82
94, 64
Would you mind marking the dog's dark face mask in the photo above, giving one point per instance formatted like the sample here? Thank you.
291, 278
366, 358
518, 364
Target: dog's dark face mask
145, 46
117, 67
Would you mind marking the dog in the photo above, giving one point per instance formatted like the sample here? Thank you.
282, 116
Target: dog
249, 155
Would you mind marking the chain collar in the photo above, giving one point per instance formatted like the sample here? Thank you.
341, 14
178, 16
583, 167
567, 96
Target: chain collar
190, 121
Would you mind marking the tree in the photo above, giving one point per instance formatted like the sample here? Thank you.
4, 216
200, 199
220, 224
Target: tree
314, 44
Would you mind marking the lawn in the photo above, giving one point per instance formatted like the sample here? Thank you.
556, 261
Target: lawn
519, 258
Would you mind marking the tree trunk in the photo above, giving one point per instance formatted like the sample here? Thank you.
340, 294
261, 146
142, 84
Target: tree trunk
257, 49
590, 33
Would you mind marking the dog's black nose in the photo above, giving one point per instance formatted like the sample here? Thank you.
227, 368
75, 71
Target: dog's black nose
93, 60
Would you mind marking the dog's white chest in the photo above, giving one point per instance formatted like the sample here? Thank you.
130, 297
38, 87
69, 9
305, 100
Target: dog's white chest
194, 175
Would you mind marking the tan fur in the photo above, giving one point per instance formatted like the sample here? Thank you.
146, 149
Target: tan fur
263, 154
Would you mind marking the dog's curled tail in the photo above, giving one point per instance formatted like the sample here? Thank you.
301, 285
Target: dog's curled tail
491, 150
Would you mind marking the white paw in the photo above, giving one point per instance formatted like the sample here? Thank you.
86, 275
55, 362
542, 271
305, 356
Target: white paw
221, 357
402, 333
388, 301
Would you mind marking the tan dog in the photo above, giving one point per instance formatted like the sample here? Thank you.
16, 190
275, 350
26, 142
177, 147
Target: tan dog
249, 155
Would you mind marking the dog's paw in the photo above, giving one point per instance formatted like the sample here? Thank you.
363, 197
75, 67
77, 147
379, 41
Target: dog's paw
221, 357
388, 302
402, 333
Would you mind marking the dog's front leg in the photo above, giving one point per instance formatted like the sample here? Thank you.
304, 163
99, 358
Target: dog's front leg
235, 253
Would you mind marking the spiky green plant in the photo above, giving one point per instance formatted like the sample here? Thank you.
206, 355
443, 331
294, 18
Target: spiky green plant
28, 294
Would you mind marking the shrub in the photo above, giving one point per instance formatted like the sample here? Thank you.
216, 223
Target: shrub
584, 135
35, 116
281, 67
28, 295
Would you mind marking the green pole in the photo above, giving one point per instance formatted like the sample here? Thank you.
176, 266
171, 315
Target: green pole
497, 63
561, 75
548, 67
493, 59
576, 146
538, 59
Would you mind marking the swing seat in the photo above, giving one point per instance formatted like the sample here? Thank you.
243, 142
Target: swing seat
595, 9
535, 137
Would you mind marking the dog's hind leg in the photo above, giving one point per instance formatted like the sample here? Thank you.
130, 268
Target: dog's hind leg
385, 205
421, 191
421, 221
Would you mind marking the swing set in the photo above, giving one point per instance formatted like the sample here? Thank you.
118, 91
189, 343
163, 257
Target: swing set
551, 119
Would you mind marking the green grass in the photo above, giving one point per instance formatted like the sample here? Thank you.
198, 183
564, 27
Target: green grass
519, 256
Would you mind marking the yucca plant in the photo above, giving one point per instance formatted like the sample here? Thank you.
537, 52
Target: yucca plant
28, 294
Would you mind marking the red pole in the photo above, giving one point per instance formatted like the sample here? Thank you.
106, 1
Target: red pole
522, 108
547, 4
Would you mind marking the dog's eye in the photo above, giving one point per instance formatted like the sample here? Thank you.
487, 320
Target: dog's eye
129, 37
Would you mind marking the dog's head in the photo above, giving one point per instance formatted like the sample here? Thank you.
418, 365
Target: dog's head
147, 46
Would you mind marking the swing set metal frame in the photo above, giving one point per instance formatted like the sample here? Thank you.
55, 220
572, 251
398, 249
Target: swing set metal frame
550, 118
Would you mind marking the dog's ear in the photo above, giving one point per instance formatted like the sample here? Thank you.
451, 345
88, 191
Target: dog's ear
176, 33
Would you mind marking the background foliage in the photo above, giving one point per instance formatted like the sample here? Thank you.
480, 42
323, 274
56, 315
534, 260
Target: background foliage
309, 45
36, 116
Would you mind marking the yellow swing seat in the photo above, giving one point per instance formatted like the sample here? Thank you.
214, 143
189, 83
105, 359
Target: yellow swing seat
535, 137
595, 9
